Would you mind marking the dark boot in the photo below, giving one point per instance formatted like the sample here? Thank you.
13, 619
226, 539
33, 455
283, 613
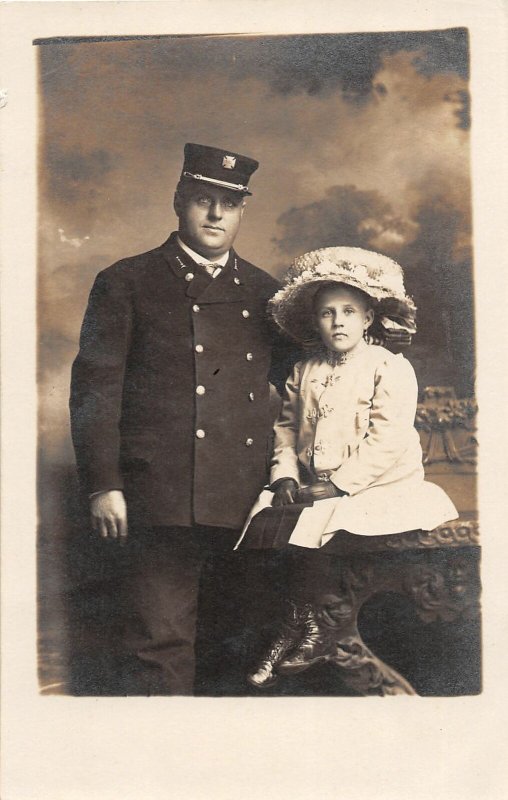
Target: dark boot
289, 635
316, 645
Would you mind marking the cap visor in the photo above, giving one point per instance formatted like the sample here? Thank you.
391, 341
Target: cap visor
233, 187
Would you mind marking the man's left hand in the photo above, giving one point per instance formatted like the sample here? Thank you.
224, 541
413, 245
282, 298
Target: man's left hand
318, 491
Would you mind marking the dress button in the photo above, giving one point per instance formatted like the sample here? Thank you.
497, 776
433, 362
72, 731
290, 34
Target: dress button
200, 390
199, 348
189, 276
200, 434
195, 309
251, 396
245, 313
249, 356
237, 281
248, 442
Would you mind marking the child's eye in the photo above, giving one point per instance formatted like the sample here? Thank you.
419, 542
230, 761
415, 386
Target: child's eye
348, 311
326, 313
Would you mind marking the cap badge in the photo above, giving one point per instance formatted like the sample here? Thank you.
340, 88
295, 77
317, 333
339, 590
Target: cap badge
229, 162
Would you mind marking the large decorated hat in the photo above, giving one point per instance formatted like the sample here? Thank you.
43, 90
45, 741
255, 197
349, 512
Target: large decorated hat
218, 167
378, 276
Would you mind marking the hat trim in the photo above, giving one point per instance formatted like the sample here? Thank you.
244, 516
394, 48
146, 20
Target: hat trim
235, 187
287, 292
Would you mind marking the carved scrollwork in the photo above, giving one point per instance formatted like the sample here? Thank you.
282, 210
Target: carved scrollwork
459, 533
451, 414
357, 574
447, 426
364, 672
444, 592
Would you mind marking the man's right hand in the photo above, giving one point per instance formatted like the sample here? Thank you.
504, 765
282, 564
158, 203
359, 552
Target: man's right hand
109, 514
284, 491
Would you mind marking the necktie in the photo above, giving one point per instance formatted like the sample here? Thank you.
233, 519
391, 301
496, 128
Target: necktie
212, 269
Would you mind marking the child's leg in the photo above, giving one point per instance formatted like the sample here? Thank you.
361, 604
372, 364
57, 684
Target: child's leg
311, 574
314, 581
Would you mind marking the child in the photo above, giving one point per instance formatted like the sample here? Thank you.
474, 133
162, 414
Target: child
347, 456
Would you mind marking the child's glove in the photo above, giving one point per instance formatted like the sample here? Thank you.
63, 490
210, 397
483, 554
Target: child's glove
284, 490
319, 491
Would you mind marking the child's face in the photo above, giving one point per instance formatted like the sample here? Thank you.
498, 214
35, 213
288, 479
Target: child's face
342, 317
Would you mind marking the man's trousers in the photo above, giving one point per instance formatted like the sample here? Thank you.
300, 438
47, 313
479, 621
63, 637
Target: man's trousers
160, 578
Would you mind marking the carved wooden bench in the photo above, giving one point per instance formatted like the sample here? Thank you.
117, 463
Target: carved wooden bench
437, 570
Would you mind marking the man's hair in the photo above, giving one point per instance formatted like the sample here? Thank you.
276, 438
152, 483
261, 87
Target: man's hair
183, 188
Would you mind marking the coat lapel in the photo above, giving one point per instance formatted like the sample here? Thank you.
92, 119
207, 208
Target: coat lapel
228, 287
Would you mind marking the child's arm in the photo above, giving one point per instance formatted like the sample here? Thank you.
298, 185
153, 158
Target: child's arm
391, 429
285, 457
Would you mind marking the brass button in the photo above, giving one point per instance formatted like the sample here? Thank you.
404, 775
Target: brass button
200, 390
189, 276
251, 396
200, 434
249, 442
237, 281
195, 309
245, 313
199, 348
249, 356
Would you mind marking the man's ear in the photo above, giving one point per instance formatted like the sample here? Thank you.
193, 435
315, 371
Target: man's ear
177, 203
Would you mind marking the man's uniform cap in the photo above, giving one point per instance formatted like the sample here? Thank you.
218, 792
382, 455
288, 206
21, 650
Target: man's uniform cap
218, 167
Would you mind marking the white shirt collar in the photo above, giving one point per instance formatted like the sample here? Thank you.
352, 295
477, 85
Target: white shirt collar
199, 259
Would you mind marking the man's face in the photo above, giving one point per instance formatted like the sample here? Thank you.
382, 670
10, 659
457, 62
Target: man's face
209, 218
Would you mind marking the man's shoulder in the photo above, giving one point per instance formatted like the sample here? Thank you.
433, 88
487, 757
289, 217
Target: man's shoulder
258, 278
133, 267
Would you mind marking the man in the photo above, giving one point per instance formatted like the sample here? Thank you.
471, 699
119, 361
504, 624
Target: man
170, 411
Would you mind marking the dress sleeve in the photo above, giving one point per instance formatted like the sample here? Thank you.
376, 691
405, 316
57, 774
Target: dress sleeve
285, 455
390, 430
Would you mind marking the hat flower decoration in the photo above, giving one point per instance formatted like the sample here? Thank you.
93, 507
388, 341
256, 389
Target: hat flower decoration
376, 275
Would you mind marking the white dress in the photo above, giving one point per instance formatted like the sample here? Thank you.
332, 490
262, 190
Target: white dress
353, 424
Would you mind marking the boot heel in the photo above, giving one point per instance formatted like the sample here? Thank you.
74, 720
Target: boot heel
291, 667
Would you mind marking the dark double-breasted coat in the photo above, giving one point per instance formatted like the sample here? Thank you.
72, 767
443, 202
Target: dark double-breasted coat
170, 389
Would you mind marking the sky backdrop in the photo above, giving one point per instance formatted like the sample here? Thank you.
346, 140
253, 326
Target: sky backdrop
362, 139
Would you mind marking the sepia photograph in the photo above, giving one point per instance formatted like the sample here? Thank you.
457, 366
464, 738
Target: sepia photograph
253, 347
204, 245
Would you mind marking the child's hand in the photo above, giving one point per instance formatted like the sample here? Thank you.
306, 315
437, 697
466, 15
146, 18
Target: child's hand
318, 491
284, 490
